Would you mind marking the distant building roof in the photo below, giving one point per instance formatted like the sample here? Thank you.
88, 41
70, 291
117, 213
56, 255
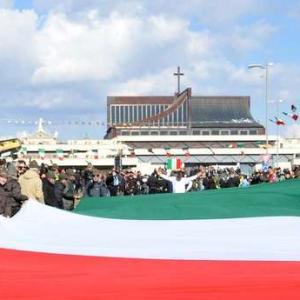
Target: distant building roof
139, 100
40, 135
221, 111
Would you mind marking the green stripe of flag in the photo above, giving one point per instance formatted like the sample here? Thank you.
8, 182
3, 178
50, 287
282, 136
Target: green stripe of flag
280, 199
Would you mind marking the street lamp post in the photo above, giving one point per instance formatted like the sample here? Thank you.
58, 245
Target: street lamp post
266, 68
277, 102
277, 131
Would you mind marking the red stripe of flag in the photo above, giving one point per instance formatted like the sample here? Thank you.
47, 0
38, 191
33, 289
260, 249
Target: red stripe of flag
29, 275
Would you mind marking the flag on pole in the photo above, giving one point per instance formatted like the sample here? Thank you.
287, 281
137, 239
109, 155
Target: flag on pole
241, 145
293, 116
277, 121
60, 154
168, 151
233, 145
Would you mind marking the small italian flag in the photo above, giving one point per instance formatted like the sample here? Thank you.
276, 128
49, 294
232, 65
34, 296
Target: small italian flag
233, 145
60, 154
42, 153
174, 164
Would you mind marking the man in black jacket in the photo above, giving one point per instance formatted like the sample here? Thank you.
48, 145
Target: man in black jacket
233, 180
115, 183
11, 198
48, 189
64, 194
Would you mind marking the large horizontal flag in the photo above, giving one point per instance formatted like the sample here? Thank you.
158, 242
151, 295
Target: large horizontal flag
228, 244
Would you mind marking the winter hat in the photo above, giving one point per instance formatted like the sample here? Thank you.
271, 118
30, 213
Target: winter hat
12, 170
33, 164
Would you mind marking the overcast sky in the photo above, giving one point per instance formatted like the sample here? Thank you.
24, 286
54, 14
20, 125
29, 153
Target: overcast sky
61, 59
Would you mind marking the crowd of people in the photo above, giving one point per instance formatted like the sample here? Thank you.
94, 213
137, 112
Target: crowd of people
64, 187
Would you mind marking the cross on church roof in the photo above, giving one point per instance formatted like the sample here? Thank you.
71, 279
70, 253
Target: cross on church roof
178, 74
40, 125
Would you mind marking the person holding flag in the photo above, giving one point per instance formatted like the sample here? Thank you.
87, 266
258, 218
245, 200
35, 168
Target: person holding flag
180, 183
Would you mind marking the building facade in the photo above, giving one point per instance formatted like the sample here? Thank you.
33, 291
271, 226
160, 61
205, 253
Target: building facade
182, 114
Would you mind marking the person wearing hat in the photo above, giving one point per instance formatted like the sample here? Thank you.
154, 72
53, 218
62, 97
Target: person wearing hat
48, 189
97, 187
11, 197
65, 197
31, 183
55, 169
3, 192
180, 184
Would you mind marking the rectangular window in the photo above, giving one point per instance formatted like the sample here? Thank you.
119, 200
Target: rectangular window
154, 132
139, 113
234, 132
173, 132
130, 117
180, 115
182, 132
205, 132
148, 111
144, 132
126, 115
253, 132
196, 132
215, 132
171, 120
184, 112
134, 133
243, 132
152, 110
175, 116
163, 132
157, 109
135, 112
224, 132
122, 114
113, 115
117, 114
125, 132
144, 112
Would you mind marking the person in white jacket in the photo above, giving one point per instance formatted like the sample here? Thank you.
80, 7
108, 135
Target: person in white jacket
180, 183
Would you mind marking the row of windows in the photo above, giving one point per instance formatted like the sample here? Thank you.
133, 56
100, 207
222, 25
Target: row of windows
127, 114
225, 132
194, 132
